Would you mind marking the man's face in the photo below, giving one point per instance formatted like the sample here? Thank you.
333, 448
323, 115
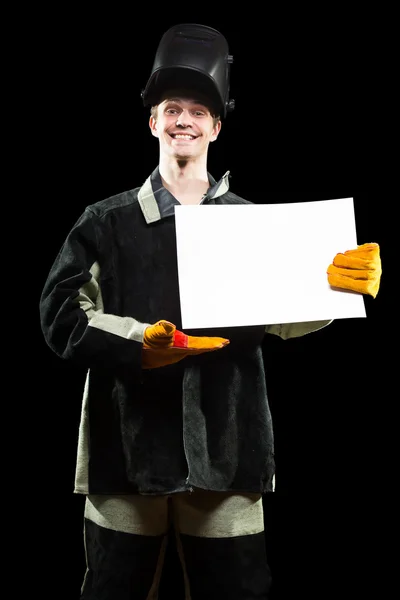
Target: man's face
184, 127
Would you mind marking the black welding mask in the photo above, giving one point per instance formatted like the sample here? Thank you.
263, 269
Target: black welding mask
192, 57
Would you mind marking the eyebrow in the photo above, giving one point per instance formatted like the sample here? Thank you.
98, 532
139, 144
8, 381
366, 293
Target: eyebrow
177, 100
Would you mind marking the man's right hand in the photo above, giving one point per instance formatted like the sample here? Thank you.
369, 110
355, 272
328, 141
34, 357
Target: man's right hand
164, 345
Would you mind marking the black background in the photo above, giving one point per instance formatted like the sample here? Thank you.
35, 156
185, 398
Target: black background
298, 125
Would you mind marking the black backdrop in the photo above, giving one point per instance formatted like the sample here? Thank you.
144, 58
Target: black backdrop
296, 127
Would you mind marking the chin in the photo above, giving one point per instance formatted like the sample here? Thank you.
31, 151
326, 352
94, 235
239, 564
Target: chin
182, 156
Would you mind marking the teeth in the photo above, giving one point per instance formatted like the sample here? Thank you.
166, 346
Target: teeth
183, 137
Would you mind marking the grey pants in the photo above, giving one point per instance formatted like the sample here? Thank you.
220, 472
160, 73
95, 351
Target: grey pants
220, 542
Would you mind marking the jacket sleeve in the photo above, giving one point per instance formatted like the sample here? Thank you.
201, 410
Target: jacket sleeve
291, 330
72, 316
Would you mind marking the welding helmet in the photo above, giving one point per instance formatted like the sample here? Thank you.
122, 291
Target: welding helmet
192, 57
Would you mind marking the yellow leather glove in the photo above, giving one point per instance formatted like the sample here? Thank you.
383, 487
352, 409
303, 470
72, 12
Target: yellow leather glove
164, 345
358, 270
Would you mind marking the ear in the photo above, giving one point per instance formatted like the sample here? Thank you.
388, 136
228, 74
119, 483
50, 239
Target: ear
153, 126
216, 131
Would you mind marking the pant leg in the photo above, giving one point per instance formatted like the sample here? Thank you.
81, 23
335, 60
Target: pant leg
125, 539
221, 542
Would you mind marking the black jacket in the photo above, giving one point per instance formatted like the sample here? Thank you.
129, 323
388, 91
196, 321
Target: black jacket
204, 421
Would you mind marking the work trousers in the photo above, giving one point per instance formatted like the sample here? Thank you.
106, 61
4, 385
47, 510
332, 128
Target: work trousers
220, 540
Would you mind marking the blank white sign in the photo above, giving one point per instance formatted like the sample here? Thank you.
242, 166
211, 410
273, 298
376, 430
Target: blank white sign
264, 263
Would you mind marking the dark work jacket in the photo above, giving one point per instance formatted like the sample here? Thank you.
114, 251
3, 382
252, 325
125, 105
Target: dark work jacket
202, 422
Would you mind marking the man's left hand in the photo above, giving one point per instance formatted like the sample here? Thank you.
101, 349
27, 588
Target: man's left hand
358, 270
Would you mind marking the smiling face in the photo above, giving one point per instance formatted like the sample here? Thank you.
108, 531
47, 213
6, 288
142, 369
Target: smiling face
184, 126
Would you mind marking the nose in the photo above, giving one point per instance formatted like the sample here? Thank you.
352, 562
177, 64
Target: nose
183, 119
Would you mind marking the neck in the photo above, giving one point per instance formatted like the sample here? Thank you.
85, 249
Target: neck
185, 179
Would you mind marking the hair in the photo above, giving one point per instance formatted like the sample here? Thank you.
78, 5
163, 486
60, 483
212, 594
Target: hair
174, 93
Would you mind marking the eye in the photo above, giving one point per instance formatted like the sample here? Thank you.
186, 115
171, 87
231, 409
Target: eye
171, 111
199, 113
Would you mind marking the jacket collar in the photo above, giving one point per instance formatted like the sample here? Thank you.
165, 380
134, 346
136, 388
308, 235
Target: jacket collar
157, 202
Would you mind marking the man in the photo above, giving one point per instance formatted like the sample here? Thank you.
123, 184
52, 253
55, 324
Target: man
175, 426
